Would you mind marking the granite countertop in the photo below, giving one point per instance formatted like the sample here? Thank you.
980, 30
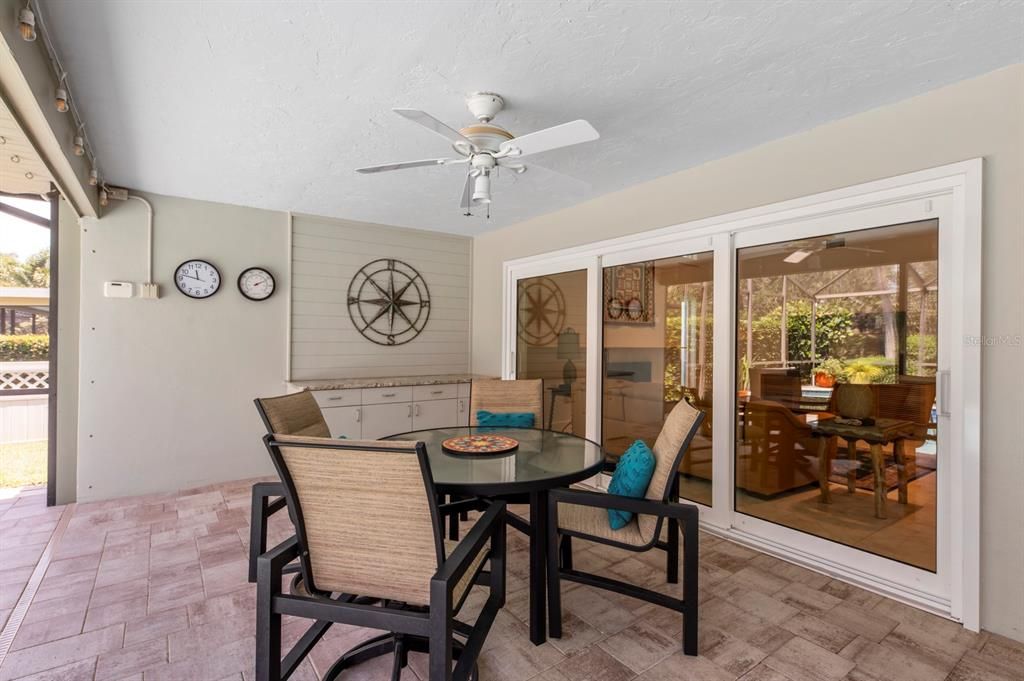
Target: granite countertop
385, 382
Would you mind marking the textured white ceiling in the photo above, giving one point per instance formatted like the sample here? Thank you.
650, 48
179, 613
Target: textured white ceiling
274, 104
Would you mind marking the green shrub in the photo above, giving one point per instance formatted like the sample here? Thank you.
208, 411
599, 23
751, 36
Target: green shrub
27, 348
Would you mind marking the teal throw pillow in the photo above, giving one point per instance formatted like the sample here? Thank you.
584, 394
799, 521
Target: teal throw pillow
489, 419
632, 476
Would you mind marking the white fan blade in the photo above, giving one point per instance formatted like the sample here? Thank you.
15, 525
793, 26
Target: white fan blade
400, 166
431, 123
467, 194
564, 135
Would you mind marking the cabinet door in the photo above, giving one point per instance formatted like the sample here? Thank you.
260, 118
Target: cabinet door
381, 420
435, 414
343, 421
462, 417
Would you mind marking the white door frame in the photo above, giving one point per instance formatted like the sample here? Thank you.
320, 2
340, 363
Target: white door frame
548, 266
953, 190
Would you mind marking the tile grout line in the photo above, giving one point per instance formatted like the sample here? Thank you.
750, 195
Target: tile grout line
17, 615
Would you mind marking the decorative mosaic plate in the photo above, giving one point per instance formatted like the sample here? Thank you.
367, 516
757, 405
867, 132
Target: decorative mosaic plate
479, 444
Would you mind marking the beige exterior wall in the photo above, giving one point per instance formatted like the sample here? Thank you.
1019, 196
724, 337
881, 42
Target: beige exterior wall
981, 117
166, 386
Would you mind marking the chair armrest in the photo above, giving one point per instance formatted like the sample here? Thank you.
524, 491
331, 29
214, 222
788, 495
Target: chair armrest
461, 505
679, 511
275, 559
266, 490
492, 521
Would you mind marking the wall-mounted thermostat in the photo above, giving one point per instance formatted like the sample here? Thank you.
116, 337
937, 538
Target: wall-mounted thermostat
118, 289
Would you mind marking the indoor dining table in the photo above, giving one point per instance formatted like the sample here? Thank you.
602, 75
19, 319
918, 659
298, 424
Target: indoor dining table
544, 460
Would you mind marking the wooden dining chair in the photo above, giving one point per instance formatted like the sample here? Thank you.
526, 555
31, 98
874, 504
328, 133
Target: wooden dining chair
656, 523
367, 522
495, 395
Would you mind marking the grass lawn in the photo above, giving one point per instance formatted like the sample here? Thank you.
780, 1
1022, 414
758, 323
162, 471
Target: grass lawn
23, 463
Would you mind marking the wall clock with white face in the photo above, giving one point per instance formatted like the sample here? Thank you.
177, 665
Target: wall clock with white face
256, 283
197, 279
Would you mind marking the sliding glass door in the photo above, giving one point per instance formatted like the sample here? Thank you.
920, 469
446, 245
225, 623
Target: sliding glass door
837, 432
832, 343
657, 320
551, 344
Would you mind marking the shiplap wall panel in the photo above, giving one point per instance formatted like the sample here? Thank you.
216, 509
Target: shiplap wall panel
327, 253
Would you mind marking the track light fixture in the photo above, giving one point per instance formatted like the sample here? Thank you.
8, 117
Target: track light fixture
104, 197
27, 23
32, 25
60, 95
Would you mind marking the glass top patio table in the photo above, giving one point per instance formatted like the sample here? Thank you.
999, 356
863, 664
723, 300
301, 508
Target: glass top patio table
545, 459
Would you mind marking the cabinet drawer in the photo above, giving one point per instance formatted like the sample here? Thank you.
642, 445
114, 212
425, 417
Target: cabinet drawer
435, 392
402, 393
464, 389
338, 398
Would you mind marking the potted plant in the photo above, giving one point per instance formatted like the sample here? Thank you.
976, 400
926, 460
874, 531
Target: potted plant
827, 373
863, 370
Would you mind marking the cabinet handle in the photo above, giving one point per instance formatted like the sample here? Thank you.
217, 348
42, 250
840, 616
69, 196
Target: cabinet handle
359, 415
410, 411
437, 392
334, 399
387, 394
416, 411
462, 406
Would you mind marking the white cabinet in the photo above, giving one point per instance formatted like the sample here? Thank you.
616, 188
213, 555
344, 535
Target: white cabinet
373, 413
343, 421
434, 414
381, 420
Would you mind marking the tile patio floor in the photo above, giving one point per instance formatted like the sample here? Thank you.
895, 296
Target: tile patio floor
154, 589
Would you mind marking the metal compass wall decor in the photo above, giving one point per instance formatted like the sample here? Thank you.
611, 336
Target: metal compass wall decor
541, 311
388, 302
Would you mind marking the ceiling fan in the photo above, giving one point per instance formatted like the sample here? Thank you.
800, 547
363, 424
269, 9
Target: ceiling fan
485, 147
806, 249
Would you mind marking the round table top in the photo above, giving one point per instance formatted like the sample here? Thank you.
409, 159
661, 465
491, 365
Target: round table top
545, 459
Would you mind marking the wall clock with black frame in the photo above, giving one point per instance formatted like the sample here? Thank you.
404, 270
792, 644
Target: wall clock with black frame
197, 279
388, 302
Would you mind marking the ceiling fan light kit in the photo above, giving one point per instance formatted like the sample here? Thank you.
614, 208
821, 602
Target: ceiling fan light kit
486, 147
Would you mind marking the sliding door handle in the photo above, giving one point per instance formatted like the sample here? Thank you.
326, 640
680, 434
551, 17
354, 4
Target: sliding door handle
943, 396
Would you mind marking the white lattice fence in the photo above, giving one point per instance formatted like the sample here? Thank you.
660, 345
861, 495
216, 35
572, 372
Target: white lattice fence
24, 375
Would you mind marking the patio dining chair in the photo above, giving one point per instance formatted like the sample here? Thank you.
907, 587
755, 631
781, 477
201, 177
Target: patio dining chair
498, 396
656, 523
495, 395
367, 522
292, 414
